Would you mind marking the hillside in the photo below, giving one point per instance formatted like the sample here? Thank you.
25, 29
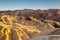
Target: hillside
24, 24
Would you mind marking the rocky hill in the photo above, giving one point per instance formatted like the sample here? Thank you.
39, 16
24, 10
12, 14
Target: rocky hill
24, 24
51, 14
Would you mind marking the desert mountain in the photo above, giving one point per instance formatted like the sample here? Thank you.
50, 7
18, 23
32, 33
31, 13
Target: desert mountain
24, 24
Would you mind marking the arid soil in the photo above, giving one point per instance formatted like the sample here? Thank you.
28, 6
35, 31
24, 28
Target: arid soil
25, 24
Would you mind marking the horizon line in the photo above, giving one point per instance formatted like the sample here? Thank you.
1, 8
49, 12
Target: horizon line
27, 9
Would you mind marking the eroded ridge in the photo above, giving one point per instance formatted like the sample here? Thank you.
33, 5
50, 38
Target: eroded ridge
10, 22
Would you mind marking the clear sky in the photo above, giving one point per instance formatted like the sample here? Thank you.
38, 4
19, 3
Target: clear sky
29, 4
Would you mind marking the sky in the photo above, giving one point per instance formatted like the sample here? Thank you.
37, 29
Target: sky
29, 4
